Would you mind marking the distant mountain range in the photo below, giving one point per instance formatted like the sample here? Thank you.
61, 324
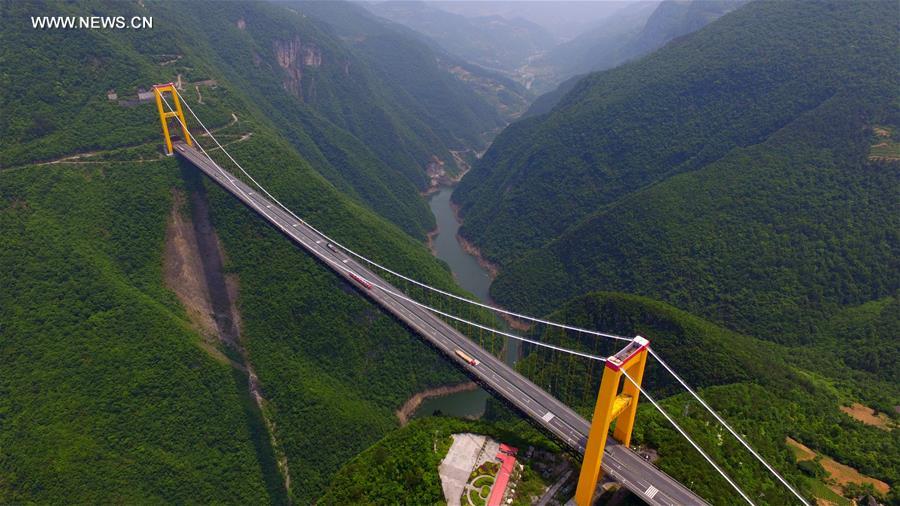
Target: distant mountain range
634, 31
498, 38
494, 42
404, 53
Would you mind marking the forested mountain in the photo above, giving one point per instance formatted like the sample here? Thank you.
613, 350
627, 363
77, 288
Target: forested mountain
746, 174
634, 31
111, 391
369, 121
728, 174
439, 84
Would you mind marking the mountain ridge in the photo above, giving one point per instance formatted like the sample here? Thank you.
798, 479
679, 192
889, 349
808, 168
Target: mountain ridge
620, 137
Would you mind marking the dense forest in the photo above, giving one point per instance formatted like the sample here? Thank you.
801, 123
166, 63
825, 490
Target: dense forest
105, 376
106, 394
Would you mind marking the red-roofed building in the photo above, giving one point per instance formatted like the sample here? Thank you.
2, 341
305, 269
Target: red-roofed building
509, 450
508, 464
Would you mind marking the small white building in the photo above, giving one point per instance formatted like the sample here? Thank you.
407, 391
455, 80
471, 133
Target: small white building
144, 96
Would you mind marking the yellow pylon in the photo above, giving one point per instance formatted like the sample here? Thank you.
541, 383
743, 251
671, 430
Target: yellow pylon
164, 115
611, 406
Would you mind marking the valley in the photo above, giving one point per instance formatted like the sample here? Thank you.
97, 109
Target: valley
469, 274
719, 177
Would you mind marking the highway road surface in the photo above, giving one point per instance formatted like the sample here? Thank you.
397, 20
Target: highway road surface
619, 462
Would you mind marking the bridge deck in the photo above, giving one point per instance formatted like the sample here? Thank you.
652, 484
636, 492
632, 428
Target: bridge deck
641, 477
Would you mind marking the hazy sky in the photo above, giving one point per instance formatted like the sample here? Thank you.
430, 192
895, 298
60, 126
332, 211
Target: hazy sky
563, 18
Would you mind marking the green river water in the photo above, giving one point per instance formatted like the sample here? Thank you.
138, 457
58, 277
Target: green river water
474, 278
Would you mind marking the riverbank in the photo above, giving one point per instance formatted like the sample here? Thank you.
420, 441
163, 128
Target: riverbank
412, 404
492, 269
473, 250
437, 174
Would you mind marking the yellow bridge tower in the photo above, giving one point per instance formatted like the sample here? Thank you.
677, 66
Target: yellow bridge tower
164, 115
612, 406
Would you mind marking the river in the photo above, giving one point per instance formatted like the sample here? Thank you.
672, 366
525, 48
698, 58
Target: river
476, 279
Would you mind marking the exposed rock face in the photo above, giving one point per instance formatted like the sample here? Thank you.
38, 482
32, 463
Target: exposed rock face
292, 55
193, 267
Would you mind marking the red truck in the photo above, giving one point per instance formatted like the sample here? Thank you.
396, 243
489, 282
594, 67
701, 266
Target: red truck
465, 356
361, 281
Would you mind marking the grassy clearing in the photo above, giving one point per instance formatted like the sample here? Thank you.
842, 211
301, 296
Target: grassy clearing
868, 416
885, 147
841, 475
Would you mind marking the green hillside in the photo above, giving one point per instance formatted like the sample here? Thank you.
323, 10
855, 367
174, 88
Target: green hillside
110, 394
106, 393
355, 116
726, 173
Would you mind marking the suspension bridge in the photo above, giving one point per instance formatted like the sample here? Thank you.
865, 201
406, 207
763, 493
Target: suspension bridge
443, 329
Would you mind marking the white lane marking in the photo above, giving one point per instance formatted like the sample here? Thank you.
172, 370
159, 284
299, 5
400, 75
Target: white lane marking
650, 492
549, 416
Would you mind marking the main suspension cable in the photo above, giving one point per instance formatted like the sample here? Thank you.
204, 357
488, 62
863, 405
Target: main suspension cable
343, 267
382, 267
